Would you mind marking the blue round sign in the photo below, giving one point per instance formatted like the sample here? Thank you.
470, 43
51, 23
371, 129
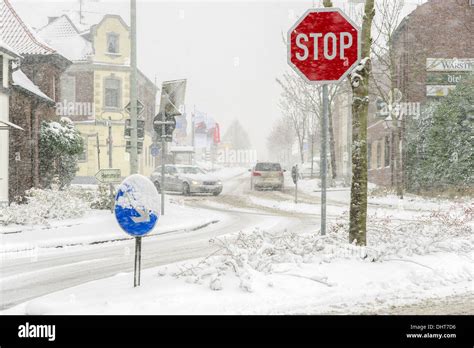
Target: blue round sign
137, 205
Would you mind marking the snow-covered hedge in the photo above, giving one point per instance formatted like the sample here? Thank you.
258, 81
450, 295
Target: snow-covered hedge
245, 253
44, 205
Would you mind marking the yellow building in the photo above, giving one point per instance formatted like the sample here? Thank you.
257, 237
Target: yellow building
96, 89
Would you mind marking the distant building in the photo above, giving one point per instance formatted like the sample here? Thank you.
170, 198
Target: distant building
34, 91
95, 90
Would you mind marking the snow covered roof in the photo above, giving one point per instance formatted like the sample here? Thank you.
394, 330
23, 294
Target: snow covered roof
15, 33
59, 28
8, 50
21, 80
63, 35
181, 148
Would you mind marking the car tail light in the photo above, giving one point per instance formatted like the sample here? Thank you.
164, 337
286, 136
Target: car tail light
280, 173
256, 174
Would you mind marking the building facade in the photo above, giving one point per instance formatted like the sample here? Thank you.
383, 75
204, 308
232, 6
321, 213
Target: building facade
95, 91
34, 91
429, 61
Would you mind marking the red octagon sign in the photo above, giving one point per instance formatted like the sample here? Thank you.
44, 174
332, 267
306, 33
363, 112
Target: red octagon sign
324, 45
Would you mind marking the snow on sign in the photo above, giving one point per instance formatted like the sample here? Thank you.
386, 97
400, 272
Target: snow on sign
137, 205
324, 45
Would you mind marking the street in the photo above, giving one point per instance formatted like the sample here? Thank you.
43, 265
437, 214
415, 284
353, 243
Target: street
59, 268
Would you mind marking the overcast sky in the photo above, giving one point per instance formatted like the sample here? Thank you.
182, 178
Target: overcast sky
229, 51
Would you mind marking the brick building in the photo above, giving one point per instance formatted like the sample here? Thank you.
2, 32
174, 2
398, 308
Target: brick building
34, 90
434, 49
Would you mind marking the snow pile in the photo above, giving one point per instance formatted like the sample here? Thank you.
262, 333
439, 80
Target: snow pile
138, 192
247, 254
44, 205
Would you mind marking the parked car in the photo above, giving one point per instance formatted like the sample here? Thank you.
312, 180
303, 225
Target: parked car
266, 175
187, 179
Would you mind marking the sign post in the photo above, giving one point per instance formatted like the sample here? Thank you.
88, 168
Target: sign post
136, 212
324, 45
164, 124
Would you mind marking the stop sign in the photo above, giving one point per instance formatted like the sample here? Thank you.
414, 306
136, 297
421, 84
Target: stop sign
324, 45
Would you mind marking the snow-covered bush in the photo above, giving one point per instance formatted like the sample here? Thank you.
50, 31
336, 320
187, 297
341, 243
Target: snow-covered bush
60, 144
245, 253
101, 198
440, 155
44, 205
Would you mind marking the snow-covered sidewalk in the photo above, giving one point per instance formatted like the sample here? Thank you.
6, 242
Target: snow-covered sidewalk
98, 226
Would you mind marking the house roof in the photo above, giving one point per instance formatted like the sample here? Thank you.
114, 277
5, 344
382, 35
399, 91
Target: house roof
16, 34
22, 81
63, 35
8, 50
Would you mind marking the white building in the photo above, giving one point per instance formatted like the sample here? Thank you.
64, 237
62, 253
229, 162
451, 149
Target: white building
7, 54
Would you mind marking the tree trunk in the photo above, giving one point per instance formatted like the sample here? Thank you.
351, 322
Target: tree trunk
360, 108
398, 161
332, 145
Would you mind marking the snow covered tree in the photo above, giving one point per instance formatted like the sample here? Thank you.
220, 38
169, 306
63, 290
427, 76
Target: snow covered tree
440, 149
60, 144
359, 80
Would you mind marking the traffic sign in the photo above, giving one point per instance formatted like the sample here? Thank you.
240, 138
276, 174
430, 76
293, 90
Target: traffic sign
140, 107
154, 150
136, 205
324, 45
109, 176
169, 123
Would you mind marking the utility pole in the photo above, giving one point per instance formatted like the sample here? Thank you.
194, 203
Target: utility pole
98, 149
163, 144
193, 135
324, 140
133, 89
110, 143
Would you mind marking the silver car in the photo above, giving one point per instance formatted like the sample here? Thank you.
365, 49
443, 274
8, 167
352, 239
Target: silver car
187, 179
266, 175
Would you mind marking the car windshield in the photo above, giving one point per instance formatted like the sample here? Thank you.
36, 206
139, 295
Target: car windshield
190, 170
268, 167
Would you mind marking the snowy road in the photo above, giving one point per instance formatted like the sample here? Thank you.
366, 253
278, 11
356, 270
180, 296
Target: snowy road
53, 269
24, 277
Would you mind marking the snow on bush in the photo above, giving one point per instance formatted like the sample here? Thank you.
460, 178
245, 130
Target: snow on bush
245, 253
44, 205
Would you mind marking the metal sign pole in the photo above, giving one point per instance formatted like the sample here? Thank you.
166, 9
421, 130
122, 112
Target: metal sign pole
111, 186
138, 258
162, 185
324, 133
296, 185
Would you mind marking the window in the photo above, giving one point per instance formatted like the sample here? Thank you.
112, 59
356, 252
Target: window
112, 43
112, 93
387, 152
379, 154
369, 156
82, 157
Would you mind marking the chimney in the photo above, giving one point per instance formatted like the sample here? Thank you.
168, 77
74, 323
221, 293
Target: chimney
51, 19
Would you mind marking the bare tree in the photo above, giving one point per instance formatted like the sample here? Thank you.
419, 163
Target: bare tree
280, 140
384, 77
308, 98
298, 119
